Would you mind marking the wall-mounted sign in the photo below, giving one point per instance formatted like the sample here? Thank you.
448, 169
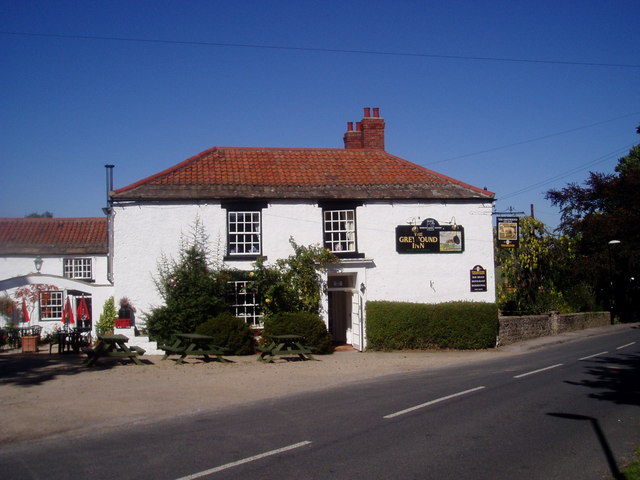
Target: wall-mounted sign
478, 279
508, 232
429, 237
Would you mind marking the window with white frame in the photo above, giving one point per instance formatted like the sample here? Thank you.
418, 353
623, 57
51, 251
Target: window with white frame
51, 305
244, 233
340, 230
78, 268
244, 303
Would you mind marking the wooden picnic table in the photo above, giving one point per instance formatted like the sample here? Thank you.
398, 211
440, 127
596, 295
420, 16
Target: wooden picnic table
285, 346
113, 346
193, 344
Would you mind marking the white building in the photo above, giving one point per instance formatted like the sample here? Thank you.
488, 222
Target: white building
54, 260
402, 232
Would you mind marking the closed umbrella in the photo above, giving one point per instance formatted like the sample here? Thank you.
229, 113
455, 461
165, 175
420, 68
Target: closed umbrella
25, 312
67, 313
83, 311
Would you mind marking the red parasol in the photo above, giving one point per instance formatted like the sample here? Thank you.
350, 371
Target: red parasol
83, 311
67, 312
25, 312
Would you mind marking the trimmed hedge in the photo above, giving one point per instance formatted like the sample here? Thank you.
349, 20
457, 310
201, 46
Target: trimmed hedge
458, 325
230, 332
306, 324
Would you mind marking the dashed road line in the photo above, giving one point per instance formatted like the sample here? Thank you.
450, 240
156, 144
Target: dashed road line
594, 355
625, 346
538, 371
437, 400
245, 460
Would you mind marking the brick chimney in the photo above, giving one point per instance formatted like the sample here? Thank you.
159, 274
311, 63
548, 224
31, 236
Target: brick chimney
368, 134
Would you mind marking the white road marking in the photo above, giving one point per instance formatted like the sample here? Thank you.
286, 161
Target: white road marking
422, 405
245, 460
538, 371
625, 346
591, 356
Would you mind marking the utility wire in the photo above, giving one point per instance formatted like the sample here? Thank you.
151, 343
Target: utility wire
531, 140
321, 50
601, 159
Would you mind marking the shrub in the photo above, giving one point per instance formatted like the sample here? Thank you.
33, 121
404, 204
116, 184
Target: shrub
459, 325
107, 321
231, 333
306, 324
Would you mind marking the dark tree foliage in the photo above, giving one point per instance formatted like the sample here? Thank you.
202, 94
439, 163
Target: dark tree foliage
605, 208
46, 214
193, 291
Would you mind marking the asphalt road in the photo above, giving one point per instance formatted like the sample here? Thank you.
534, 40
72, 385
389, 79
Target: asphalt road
568, 411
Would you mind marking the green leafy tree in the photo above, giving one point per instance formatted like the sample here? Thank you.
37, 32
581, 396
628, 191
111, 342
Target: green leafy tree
107, 320
605, 208
293, 284
528, 275
192, 287
46, 214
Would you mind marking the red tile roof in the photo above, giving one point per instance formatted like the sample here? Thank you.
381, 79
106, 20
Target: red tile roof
64, 236
229, 172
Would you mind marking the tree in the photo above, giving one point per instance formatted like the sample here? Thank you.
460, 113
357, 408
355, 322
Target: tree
192, 287
527, 275
46, 214
292, 284
606, 208
107, 321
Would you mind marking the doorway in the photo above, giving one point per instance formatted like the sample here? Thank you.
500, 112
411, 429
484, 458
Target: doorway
339, 315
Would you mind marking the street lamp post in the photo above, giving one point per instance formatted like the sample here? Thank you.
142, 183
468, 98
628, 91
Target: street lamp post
611, 286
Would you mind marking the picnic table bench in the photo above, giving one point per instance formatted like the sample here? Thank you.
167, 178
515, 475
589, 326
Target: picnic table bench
285, 346
193, 344
113, 346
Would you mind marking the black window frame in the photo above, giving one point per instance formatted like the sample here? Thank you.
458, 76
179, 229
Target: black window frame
332, 205
243, 207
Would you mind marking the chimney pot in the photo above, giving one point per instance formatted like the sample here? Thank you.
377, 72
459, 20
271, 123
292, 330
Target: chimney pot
349, 126
359, 126
376, 112
367, 112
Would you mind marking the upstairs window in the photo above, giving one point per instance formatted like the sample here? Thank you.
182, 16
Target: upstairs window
244, 233
78, 268
340, 230
244, 229
51, 305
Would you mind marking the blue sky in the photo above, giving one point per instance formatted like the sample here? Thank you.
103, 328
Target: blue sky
71, 104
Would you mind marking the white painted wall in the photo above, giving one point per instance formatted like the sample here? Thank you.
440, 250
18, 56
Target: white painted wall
143, 233
18, 265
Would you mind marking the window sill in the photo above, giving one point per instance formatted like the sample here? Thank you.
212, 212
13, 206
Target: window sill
348, 254
242, 258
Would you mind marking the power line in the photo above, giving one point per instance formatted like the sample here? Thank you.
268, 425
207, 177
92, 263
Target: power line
601, 159
321, 50
531, 140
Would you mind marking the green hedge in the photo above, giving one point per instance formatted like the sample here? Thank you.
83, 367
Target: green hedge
459, 325
229, 332
306, 324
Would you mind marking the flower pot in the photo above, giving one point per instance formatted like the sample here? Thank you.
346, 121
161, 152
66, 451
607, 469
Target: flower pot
123, 322
29, 344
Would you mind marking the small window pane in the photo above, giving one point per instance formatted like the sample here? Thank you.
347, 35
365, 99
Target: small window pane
244, 303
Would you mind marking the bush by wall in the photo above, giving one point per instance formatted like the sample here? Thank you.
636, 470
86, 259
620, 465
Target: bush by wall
231, 333
459, 325
306, 324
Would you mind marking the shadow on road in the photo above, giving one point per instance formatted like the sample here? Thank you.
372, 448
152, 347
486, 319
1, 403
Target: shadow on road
615, 378
613, 466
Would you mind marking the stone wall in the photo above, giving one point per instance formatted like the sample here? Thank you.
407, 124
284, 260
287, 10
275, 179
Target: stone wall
517, 329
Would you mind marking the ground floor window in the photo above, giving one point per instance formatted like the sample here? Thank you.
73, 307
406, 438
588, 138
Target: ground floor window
244, 303
51, 305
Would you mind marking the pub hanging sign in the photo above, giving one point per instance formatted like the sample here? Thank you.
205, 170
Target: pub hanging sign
508, 232
429, 237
